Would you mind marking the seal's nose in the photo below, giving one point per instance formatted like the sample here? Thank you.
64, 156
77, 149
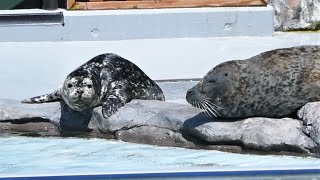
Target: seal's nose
79, 91
189, 96
189, 92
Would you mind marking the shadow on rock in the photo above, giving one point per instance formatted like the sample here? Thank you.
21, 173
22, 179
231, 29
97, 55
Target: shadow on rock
74, 121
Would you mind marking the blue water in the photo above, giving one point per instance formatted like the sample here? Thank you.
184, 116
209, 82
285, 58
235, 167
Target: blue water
27, 155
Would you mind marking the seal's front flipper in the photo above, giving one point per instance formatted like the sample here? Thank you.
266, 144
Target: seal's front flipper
52, 97
112, 104
116, 99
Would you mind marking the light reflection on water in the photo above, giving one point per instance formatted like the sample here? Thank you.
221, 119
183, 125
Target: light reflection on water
26, 155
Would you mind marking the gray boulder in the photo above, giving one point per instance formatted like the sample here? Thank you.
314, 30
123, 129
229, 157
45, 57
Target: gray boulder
296, 14
276, 134
147, 121
149, 113
310, 114
29, 119
264, 134
162, 123
15, 112
44, 117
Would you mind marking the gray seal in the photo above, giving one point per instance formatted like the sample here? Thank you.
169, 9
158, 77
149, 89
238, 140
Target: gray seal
106, 80
275, 83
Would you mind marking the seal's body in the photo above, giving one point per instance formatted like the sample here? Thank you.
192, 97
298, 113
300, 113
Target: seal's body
275, 83
108, 80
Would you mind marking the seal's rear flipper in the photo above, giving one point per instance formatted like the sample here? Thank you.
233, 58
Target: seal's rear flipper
52, 97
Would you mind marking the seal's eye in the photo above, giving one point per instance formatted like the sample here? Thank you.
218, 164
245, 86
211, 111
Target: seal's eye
226, 74
89, 86
69, 85
118, 86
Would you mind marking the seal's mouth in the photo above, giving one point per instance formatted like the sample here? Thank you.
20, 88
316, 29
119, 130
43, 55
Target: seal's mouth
78, 105
202, 103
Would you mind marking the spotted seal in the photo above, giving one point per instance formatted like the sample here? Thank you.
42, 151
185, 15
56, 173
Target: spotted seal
106, 80
275, 83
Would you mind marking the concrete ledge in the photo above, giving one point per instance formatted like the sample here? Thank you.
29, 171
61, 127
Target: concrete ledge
143, 24
32, 68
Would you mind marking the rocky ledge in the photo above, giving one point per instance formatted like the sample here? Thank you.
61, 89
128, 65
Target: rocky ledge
296, 14
167, 124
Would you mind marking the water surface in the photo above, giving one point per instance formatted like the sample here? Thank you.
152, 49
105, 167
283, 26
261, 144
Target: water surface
36, 155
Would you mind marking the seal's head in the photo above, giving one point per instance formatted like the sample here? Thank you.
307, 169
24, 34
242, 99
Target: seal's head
80, 90
216, 86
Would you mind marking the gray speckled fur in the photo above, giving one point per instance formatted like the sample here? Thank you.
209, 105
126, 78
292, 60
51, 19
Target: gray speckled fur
108, 80
275, 83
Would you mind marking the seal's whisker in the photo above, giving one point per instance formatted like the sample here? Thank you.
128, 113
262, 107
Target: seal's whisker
194, 103
205, 107
200, 106
213, 109
205, 111
197, 104
208, 101
210, 110
214, 105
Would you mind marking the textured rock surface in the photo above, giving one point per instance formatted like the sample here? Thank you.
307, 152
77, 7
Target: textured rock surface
163, 123
146, 113
296, 14
255, 133
276, 134
30, 129
150, 122
13, 112
31, 120
166, 124
310, 114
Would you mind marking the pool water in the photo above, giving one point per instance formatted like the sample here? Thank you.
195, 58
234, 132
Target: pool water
36, 156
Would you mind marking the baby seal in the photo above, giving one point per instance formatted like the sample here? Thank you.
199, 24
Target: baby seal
275, 83
107, 80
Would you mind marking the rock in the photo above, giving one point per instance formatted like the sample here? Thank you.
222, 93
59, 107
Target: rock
15, 112
171, 124
65, 119
149, 113
276, 135
264, 134
154, 136
222, 132
147, 121
310, 114
296, 14
30, 120
30, 129
165, 124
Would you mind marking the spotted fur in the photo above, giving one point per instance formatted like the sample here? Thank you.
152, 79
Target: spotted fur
52, 97
108, 80
275, 83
